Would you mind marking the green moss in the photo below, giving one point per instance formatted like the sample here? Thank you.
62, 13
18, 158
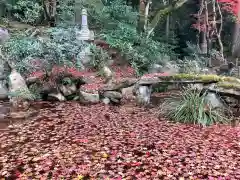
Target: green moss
185, 76
202, 77
225, 82
230, 79
207, 78
229, 85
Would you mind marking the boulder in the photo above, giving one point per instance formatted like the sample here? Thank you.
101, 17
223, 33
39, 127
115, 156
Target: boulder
106, 100
143, 94
127, 93
18, 87
114, 96
89, 97
107, 73
3, 92
118, 85
68, 89
58, 96
115, 101
214, 100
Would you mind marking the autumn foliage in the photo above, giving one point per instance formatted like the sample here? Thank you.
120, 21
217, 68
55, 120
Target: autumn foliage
231, 6
95, 80
70, 141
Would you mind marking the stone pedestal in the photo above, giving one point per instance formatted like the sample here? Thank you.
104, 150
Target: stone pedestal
82, 55
4, 35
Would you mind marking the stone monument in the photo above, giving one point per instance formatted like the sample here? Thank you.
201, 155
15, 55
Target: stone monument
87, 36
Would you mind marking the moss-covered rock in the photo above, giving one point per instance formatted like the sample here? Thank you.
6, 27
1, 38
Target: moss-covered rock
229, 85
200, 77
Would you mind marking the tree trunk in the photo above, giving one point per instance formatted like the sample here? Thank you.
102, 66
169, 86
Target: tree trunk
167, 29
236, 40
236, 37
203, 43
146, 15
2, 8
141, 18
207, 33
162, 13
50, 10
201, 35
218, 31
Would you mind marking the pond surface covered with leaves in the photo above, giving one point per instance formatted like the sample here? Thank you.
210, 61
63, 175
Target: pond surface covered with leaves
119, 142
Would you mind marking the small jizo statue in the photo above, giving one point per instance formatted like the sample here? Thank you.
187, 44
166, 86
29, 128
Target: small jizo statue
226, 69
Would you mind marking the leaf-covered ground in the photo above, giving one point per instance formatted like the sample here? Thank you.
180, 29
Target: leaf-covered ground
100, 142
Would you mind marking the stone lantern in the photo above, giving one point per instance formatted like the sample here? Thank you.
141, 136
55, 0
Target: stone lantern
87, 36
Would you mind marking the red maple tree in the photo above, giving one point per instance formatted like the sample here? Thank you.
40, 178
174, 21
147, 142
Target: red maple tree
231, 6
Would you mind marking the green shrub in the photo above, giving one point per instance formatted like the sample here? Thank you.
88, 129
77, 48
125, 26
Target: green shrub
117, 23
190, 66
194, 62
27, 11
191, 107
60, 47
23, 93
65, 11
99, 57
31, 11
